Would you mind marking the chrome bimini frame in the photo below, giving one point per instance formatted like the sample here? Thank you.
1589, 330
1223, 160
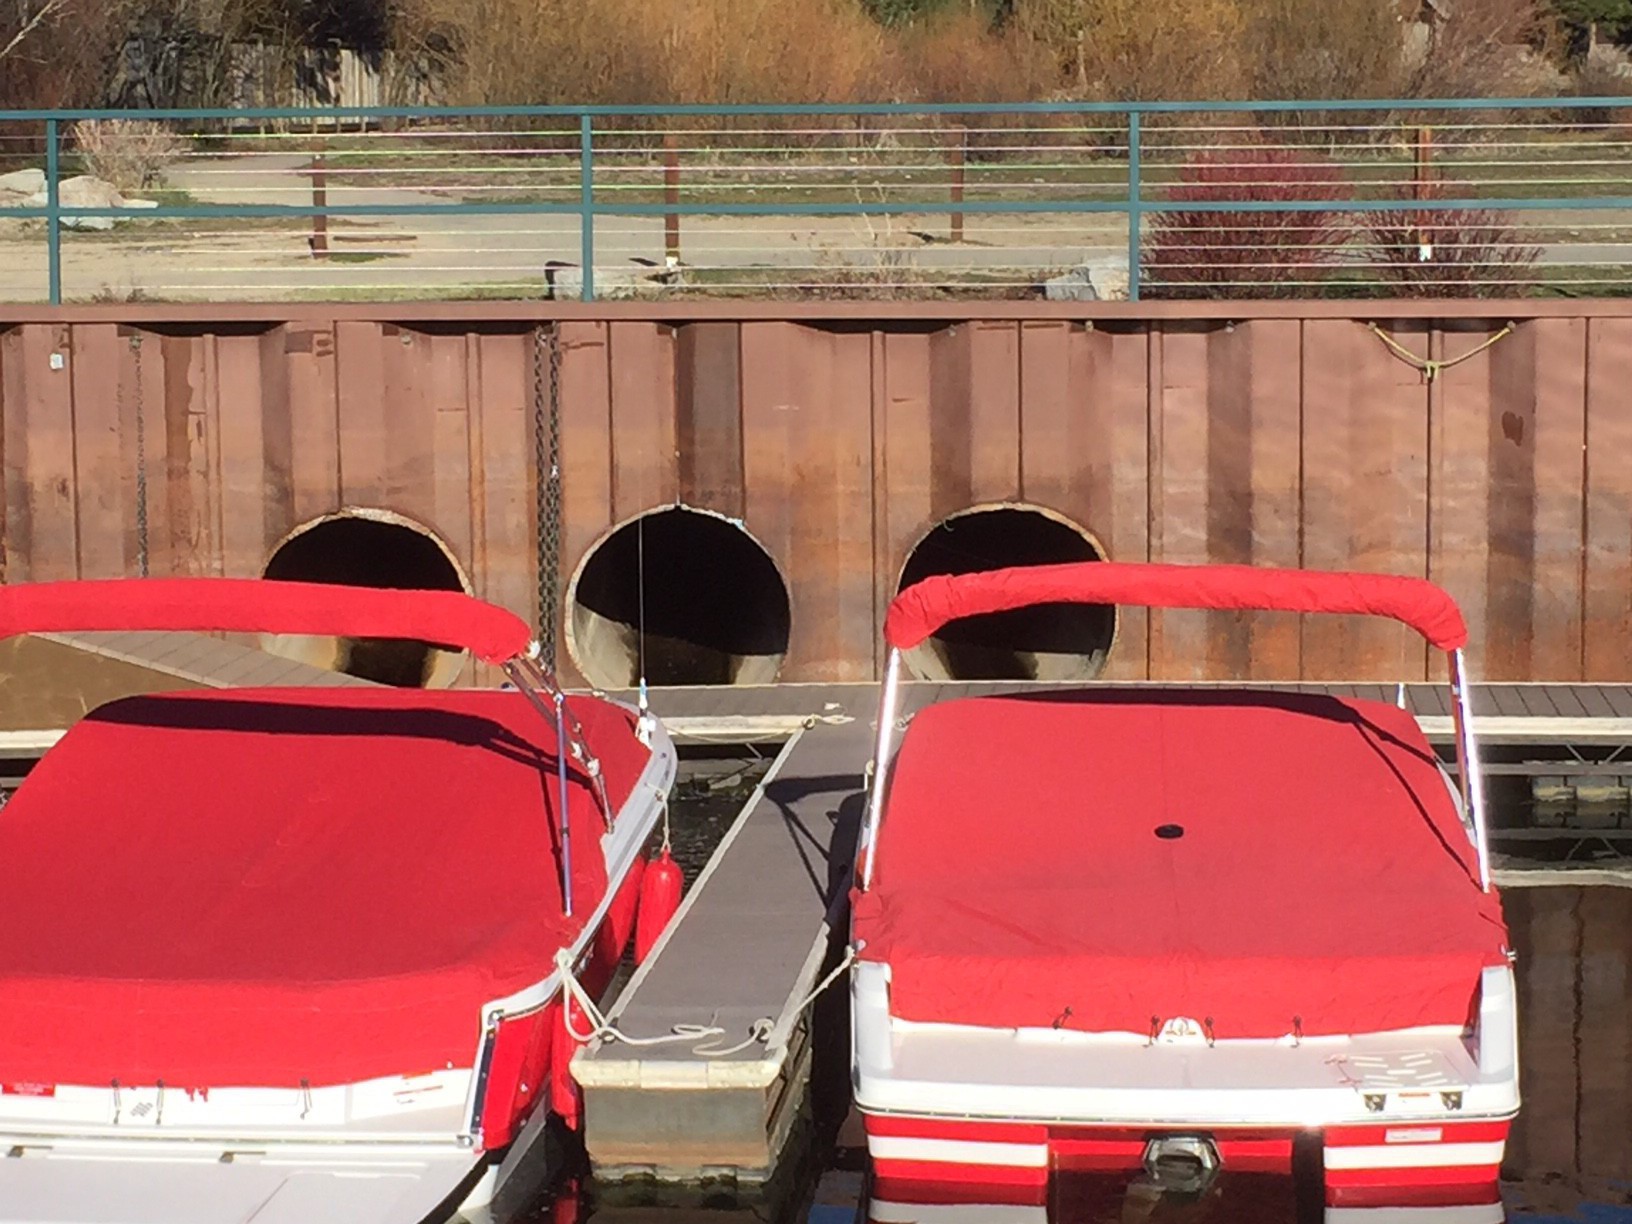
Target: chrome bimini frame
539, 686
1469, 775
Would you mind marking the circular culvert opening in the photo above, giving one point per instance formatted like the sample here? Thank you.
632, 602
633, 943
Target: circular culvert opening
1055, 642
715, 608
369, 548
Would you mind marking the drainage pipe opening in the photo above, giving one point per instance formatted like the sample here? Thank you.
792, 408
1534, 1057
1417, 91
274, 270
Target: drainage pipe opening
707, 603
370, 548
1054, 642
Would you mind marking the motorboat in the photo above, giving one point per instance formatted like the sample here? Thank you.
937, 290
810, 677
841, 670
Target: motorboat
1182, 931
293, 954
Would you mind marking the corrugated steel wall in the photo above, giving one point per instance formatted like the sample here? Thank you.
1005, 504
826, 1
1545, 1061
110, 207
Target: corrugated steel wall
840, 436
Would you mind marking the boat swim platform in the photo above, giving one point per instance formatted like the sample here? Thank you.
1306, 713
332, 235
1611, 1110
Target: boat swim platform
762, 925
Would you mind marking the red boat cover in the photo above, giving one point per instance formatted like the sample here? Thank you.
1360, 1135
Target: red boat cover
1322, 877
921, 610
256, 887
253, 605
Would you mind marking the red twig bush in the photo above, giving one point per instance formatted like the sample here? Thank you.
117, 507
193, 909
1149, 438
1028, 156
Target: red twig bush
1449, 252
1245, 254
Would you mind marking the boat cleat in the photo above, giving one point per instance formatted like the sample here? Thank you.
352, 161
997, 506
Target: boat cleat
1181, 1164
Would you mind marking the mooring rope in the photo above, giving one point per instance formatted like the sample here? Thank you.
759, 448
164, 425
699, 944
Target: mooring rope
1430, 368
602, 1029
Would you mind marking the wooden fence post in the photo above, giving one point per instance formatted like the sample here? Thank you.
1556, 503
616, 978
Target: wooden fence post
671, 194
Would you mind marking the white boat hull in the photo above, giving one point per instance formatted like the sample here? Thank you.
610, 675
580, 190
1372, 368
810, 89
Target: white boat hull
1405, 1119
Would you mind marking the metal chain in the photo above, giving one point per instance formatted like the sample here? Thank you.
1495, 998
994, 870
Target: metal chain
547, 457
141, 463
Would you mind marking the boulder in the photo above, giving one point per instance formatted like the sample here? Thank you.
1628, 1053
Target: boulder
1072, 286
566, 282
87, 191
22, 182
1098, 280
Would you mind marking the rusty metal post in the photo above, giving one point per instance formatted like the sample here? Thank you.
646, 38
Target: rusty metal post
957, 153
320, 201
1422, 188
1422, 175
671, 194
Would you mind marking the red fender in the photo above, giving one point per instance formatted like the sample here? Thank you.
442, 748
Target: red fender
566, 1098
660, 891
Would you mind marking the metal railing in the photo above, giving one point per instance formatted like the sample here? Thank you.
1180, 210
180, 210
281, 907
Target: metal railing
1466, 197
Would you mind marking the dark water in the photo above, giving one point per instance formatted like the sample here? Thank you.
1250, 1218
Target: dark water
1569, 1157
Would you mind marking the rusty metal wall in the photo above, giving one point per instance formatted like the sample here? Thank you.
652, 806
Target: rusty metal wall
839, 434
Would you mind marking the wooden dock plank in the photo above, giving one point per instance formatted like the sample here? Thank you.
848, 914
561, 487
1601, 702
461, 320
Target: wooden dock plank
1538, 701
1566, 699
1594, 702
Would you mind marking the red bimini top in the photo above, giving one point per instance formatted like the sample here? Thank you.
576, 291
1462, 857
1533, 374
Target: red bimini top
920, 611
256, 887
258, 605
1265, 861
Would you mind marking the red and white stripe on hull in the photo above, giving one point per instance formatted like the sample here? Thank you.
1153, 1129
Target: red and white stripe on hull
1024, 1153
930, 1151
1414, 1164
1406, 1164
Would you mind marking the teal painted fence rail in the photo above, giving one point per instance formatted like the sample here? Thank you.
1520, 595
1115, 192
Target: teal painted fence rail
1452, 196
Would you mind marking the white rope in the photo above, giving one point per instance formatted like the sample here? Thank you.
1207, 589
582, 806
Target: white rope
602, 1029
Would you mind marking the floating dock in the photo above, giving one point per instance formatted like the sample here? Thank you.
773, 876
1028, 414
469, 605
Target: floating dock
756, 934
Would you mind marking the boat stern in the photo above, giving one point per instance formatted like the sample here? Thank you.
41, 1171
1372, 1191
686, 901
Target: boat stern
1417, 1118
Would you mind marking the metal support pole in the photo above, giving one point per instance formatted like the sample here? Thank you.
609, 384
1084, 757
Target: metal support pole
561, 799
518, 671
1467, 764
53, 215
1135, 205
671, 194
881, 752
586, 204
957, 155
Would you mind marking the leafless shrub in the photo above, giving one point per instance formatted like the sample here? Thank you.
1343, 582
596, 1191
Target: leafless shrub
1203, 253
129, 153
1449, 252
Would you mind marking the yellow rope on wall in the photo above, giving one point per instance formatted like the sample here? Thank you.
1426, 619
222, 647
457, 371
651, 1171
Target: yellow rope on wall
1429, 367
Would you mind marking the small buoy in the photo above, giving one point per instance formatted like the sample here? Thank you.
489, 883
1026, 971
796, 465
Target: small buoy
659, 899
565, 1097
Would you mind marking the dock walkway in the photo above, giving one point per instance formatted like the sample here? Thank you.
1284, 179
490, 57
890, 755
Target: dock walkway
748, 945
